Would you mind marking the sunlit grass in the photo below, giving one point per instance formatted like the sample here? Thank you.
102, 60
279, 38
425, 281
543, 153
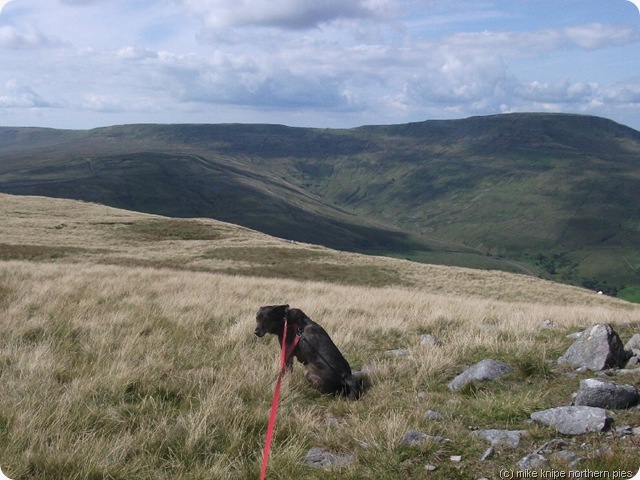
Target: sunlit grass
116, 371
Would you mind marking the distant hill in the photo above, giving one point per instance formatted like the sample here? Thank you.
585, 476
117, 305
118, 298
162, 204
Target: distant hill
547, 194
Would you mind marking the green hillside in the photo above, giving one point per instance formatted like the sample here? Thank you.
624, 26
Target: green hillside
552, 195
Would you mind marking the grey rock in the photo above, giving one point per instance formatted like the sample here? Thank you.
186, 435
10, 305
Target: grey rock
603, 394
533, 461
624, 431
633, 343
433, 415
480, 372
546, 325
627, 371
430, 468
321, 458
552, 446
412, 438
605, 450
574, 420
332, 421
575, 335
366, 370
427, 340
599, 347
398, 352
567, 457
634, 361
487, 453
501, 438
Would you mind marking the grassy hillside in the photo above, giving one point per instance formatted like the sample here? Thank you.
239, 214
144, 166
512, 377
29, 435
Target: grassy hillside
126, 351
550, 195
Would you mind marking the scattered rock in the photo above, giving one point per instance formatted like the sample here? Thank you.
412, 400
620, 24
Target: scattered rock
575, 335
634, 361
633, 343
501, 438
636, 431
480, 372
430, 468
551, 446
366, 371
603, 451
332, 421
599, 347
427, 340
574, 420
487, 453
599, 393
622, 371
567, 457
321, 458
433, 415
398, 352
533, 461
369, 369
412, 438
456, 458
546, 325
623, 431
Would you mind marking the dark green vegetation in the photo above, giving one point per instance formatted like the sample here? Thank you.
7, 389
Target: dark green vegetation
551, 195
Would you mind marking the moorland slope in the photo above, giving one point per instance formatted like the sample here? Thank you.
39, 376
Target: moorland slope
552, 195
126, 351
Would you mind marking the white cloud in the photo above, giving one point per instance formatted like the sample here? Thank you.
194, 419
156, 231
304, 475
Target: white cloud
539, 42
561, 92
29, 39
359, 61
597, 35
81, 2
15, 95
286, 14
136, 53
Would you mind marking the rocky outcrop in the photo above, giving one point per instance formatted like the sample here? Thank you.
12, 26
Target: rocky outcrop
598, 348
574, 420
321, 458
603, 394
501, 438
480, 372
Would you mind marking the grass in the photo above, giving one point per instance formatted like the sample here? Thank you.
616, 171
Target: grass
112, 370
630, 294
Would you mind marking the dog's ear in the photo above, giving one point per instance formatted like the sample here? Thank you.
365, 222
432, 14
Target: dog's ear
286, 309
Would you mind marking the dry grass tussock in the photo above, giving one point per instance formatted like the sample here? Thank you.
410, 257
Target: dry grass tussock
114, 370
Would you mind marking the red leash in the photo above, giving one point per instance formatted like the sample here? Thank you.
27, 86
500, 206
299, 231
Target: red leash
285, 354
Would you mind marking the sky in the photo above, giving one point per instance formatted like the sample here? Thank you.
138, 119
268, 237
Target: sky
315, 63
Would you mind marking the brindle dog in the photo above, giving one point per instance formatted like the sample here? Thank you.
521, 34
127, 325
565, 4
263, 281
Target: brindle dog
326, 368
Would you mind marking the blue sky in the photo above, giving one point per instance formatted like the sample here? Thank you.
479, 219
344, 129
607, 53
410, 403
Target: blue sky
319, 63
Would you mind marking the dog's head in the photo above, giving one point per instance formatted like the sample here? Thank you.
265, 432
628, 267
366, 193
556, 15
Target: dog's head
270, 319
